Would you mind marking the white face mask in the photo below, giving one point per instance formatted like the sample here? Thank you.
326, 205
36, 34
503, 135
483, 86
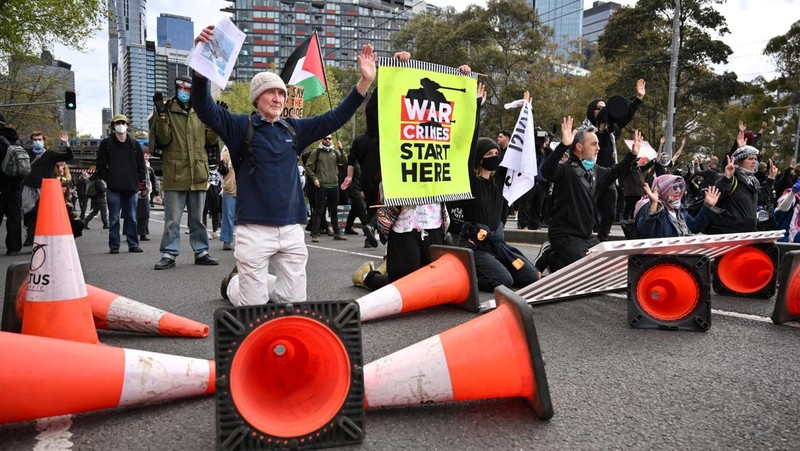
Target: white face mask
120, 128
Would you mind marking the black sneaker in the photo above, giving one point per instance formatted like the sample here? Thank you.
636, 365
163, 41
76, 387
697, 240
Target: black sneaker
369, 232
206, 260
114, 250
135, 249
164, 263
350, 232
541, 259
223, 287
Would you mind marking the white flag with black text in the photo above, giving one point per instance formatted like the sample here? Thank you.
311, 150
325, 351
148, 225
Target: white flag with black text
520, 158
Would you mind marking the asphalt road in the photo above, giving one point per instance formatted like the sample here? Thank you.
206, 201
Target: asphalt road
612, 386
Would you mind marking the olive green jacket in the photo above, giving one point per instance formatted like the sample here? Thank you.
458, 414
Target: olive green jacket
182, 138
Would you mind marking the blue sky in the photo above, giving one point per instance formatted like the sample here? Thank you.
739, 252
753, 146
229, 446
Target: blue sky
751, 22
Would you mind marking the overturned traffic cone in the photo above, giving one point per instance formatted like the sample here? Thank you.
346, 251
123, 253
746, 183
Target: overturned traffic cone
56, 303
669, 292
110, 311
449, 278
42, 377
787, 303
496, 355
749, 271
290, 376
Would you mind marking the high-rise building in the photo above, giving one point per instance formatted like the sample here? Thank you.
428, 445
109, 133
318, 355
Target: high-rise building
127, 26
565, 17
174, 31
274, 28
53, 77
105, 116
596, 18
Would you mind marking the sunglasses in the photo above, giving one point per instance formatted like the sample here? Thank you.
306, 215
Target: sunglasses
326, 139
678, 187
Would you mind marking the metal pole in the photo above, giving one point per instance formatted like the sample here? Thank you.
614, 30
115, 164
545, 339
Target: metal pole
797, 135
673, 75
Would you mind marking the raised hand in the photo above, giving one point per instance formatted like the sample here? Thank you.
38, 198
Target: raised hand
402, 56
158, 103
712, 196
640, 88
637, 142
740, 141
729, 168
567, 133
64, 137
652, 195
742, 126
481, 93
773, 170
465, 69
366, 62
526, 96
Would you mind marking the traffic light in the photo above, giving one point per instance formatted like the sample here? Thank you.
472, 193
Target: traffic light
69, 100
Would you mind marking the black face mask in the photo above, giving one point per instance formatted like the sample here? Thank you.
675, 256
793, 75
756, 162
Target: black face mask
490, 163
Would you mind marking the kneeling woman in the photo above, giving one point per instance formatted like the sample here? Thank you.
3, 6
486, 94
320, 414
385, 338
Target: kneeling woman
496, 262
661, 214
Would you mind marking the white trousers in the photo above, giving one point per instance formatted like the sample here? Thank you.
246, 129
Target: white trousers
258, 246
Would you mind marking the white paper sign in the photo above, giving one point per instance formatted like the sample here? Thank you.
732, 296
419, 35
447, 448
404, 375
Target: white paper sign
215, 59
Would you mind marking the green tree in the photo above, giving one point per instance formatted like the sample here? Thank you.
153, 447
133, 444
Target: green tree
637, 43
28, 26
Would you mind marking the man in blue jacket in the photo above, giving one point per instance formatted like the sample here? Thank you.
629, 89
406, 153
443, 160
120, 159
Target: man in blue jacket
270, 209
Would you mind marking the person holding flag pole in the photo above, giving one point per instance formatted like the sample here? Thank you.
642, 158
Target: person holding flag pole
270, 207
496, 262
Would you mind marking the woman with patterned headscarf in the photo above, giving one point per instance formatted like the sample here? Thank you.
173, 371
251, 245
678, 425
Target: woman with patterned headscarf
661, 213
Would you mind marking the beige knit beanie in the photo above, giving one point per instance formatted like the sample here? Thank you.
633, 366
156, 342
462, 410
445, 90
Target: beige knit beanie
263, 81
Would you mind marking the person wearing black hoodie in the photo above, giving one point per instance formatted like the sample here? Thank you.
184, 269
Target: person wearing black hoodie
10, 194
575, 183
607, 133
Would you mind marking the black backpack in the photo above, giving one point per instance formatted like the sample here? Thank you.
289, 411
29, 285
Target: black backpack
16, 163
247, 145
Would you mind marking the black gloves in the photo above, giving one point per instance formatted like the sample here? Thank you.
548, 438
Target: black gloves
158, 103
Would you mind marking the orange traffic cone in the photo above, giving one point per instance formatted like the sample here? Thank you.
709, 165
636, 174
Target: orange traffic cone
289, 375
56, 305
749, 271
110, 311
449, 278
669, 292
42, 377
787, 303
493, 356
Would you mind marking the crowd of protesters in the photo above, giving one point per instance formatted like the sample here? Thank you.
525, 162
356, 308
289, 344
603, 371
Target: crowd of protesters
242, 171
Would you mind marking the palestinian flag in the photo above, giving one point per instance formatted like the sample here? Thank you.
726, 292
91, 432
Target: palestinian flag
305, 68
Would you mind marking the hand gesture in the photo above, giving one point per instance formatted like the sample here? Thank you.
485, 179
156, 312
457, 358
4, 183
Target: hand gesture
742, 126
637, 142
729, 168
773, 170
652, 195
527, 96
464, 69
366, 63
64, 137
403, 56
481, 93
763, 127
662, 140
158, 103
740, 141
712, 196
640, 88
567, 133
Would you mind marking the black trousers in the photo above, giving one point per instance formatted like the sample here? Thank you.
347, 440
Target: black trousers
325, 198
567, 250
405, 253
11, 209
607, 209
358, 209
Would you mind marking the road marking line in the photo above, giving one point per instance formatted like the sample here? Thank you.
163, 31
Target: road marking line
762, 319
360, 254
54, 434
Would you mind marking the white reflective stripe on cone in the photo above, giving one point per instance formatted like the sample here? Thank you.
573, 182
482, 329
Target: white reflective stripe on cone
151, 376
128, 315
415, 375
56, 273
385, 301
